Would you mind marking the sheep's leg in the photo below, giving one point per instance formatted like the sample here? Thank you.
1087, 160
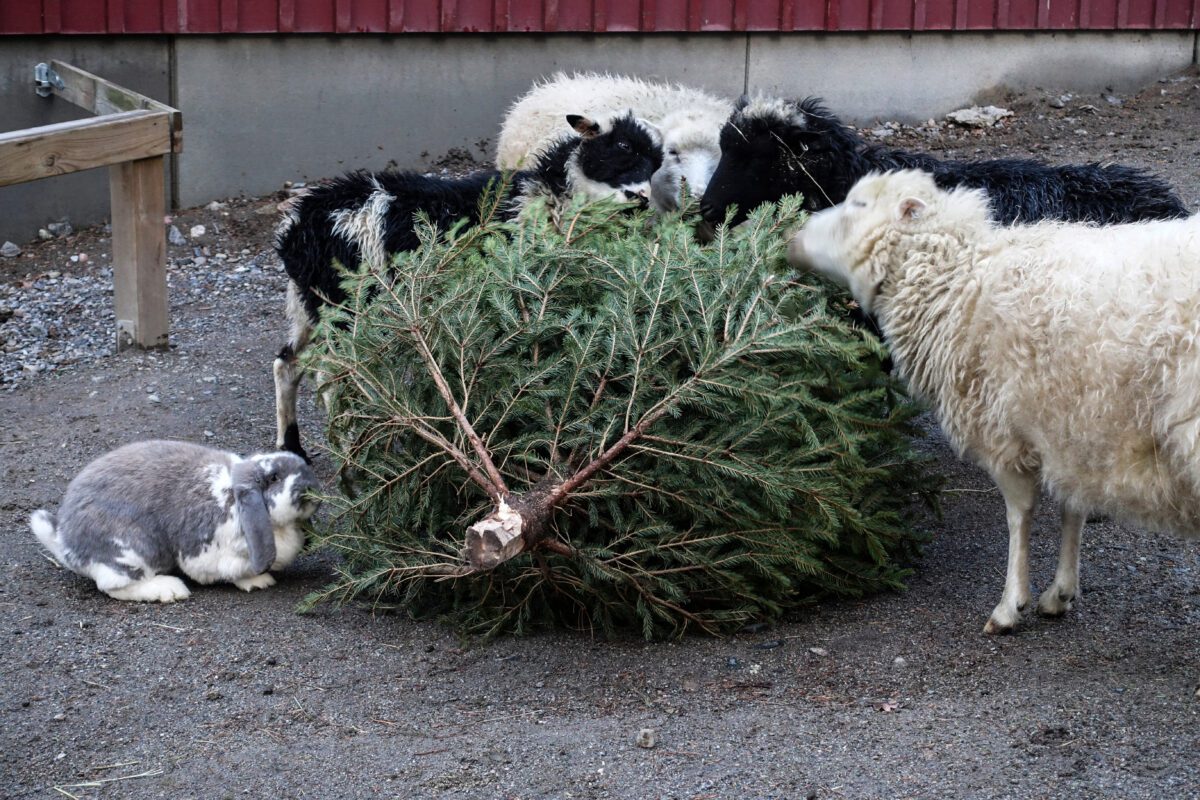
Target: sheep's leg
288, 374
287, 383
1020, 492
1063, 593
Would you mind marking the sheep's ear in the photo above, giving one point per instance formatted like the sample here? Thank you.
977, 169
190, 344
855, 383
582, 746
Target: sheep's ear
655, 131
910, 208
800, 120
583, 126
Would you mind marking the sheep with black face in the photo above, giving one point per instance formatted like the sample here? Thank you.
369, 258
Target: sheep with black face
364, 216
772, 147
689, 119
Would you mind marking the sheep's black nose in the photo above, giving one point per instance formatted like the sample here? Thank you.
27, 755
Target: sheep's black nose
637, 197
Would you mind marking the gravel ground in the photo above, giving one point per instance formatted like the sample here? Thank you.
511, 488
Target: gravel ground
232, 695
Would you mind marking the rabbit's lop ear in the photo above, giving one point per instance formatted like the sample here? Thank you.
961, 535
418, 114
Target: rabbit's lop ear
252, 511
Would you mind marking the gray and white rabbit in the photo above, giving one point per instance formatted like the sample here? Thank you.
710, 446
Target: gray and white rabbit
133, 515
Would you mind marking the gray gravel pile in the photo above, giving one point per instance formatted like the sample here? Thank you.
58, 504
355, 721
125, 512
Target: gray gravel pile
53, 321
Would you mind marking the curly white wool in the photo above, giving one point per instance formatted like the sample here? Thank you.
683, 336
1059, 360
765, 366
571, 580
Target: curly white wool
1061, 355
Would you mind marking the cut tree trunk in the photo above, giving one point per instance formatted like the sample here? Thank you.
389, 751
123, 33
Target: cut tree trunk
517, 525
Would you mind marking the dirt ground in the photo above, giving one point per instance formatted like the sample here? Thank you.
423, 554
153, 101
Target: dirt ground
234, 695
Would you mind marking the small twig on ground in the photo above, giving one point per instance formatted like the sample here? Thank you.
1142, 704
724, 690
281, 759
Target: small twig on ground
276, 736
431, 752
169, 627
99, 782
490, 719
114, 766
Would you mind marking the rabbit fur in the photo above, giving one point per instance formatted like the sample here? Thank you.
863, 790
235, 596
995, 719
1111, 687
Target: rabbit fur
139, 512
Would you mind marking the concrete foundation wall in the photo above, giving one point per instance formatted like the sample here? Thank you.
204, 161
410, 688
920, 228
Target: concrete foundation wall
260, 110
321, 106
913, 77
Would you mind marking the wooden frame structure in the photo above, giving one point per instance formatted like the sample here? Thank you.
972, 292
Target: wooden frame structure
131, 135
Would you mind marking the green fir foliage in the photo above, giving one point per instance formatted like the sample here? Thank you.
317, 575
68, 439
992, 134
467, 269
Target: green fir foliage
767, 458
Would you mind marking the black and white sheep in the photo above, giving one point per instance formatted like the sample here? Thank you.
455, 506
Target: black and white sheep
772, 147
689, 119
366, 217
1055, 355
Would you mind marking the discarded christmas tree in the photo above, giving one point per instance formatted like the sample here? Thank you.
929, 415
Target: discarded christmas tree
587, 418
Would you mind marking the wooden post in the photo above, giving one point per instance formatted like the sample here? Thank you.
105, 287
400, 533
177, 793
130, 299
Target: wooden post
130, 136
139, 249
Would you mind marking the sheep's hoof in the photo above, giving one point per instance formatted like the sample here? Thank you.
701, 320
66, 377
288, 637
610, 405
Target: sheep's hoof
1004, 619
993, 628
1055, 603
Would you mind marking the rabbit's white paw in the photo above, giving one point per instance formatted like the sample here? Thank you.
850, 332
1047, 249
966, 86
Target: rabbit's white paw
155, 589
256, 582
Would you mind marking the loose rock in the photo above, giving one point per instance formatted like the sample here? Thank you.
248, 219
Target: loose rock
978, 116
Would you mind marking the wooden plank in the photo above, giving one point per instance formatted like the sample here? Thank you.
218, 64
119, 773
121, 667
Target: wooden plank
287, 16
51, 16
139, 246
229, 16
82, 144
116, 16
98, 96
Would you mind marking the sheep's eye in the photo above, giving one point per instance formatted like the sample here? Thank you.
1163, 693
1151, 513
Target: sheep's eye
623, 145
272, 477
858, 204
673, 152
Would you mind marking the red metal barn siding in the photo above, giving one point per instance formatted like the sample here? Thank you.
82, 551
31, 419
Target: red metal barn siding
502, 16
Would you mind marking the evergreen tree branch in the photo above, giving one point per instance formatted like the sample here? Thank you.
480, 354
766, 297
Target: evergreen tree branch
498, 489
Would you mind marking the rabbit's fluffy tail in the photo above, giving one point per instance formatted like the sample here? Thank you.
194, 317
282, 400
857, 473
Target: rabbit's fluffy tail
42, 523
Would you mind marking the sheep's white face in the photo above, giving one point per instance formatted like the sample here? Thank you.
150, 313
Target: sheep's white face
688, 168
696, 166
837, 241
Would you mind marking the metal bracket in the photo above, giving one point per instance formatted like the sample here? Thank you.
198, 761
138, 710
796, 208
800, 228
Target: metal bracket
47, 80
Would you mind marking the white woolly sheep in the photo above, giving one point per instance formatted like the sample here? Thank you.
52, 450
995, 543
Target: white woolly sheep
1059, 354
690, 121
